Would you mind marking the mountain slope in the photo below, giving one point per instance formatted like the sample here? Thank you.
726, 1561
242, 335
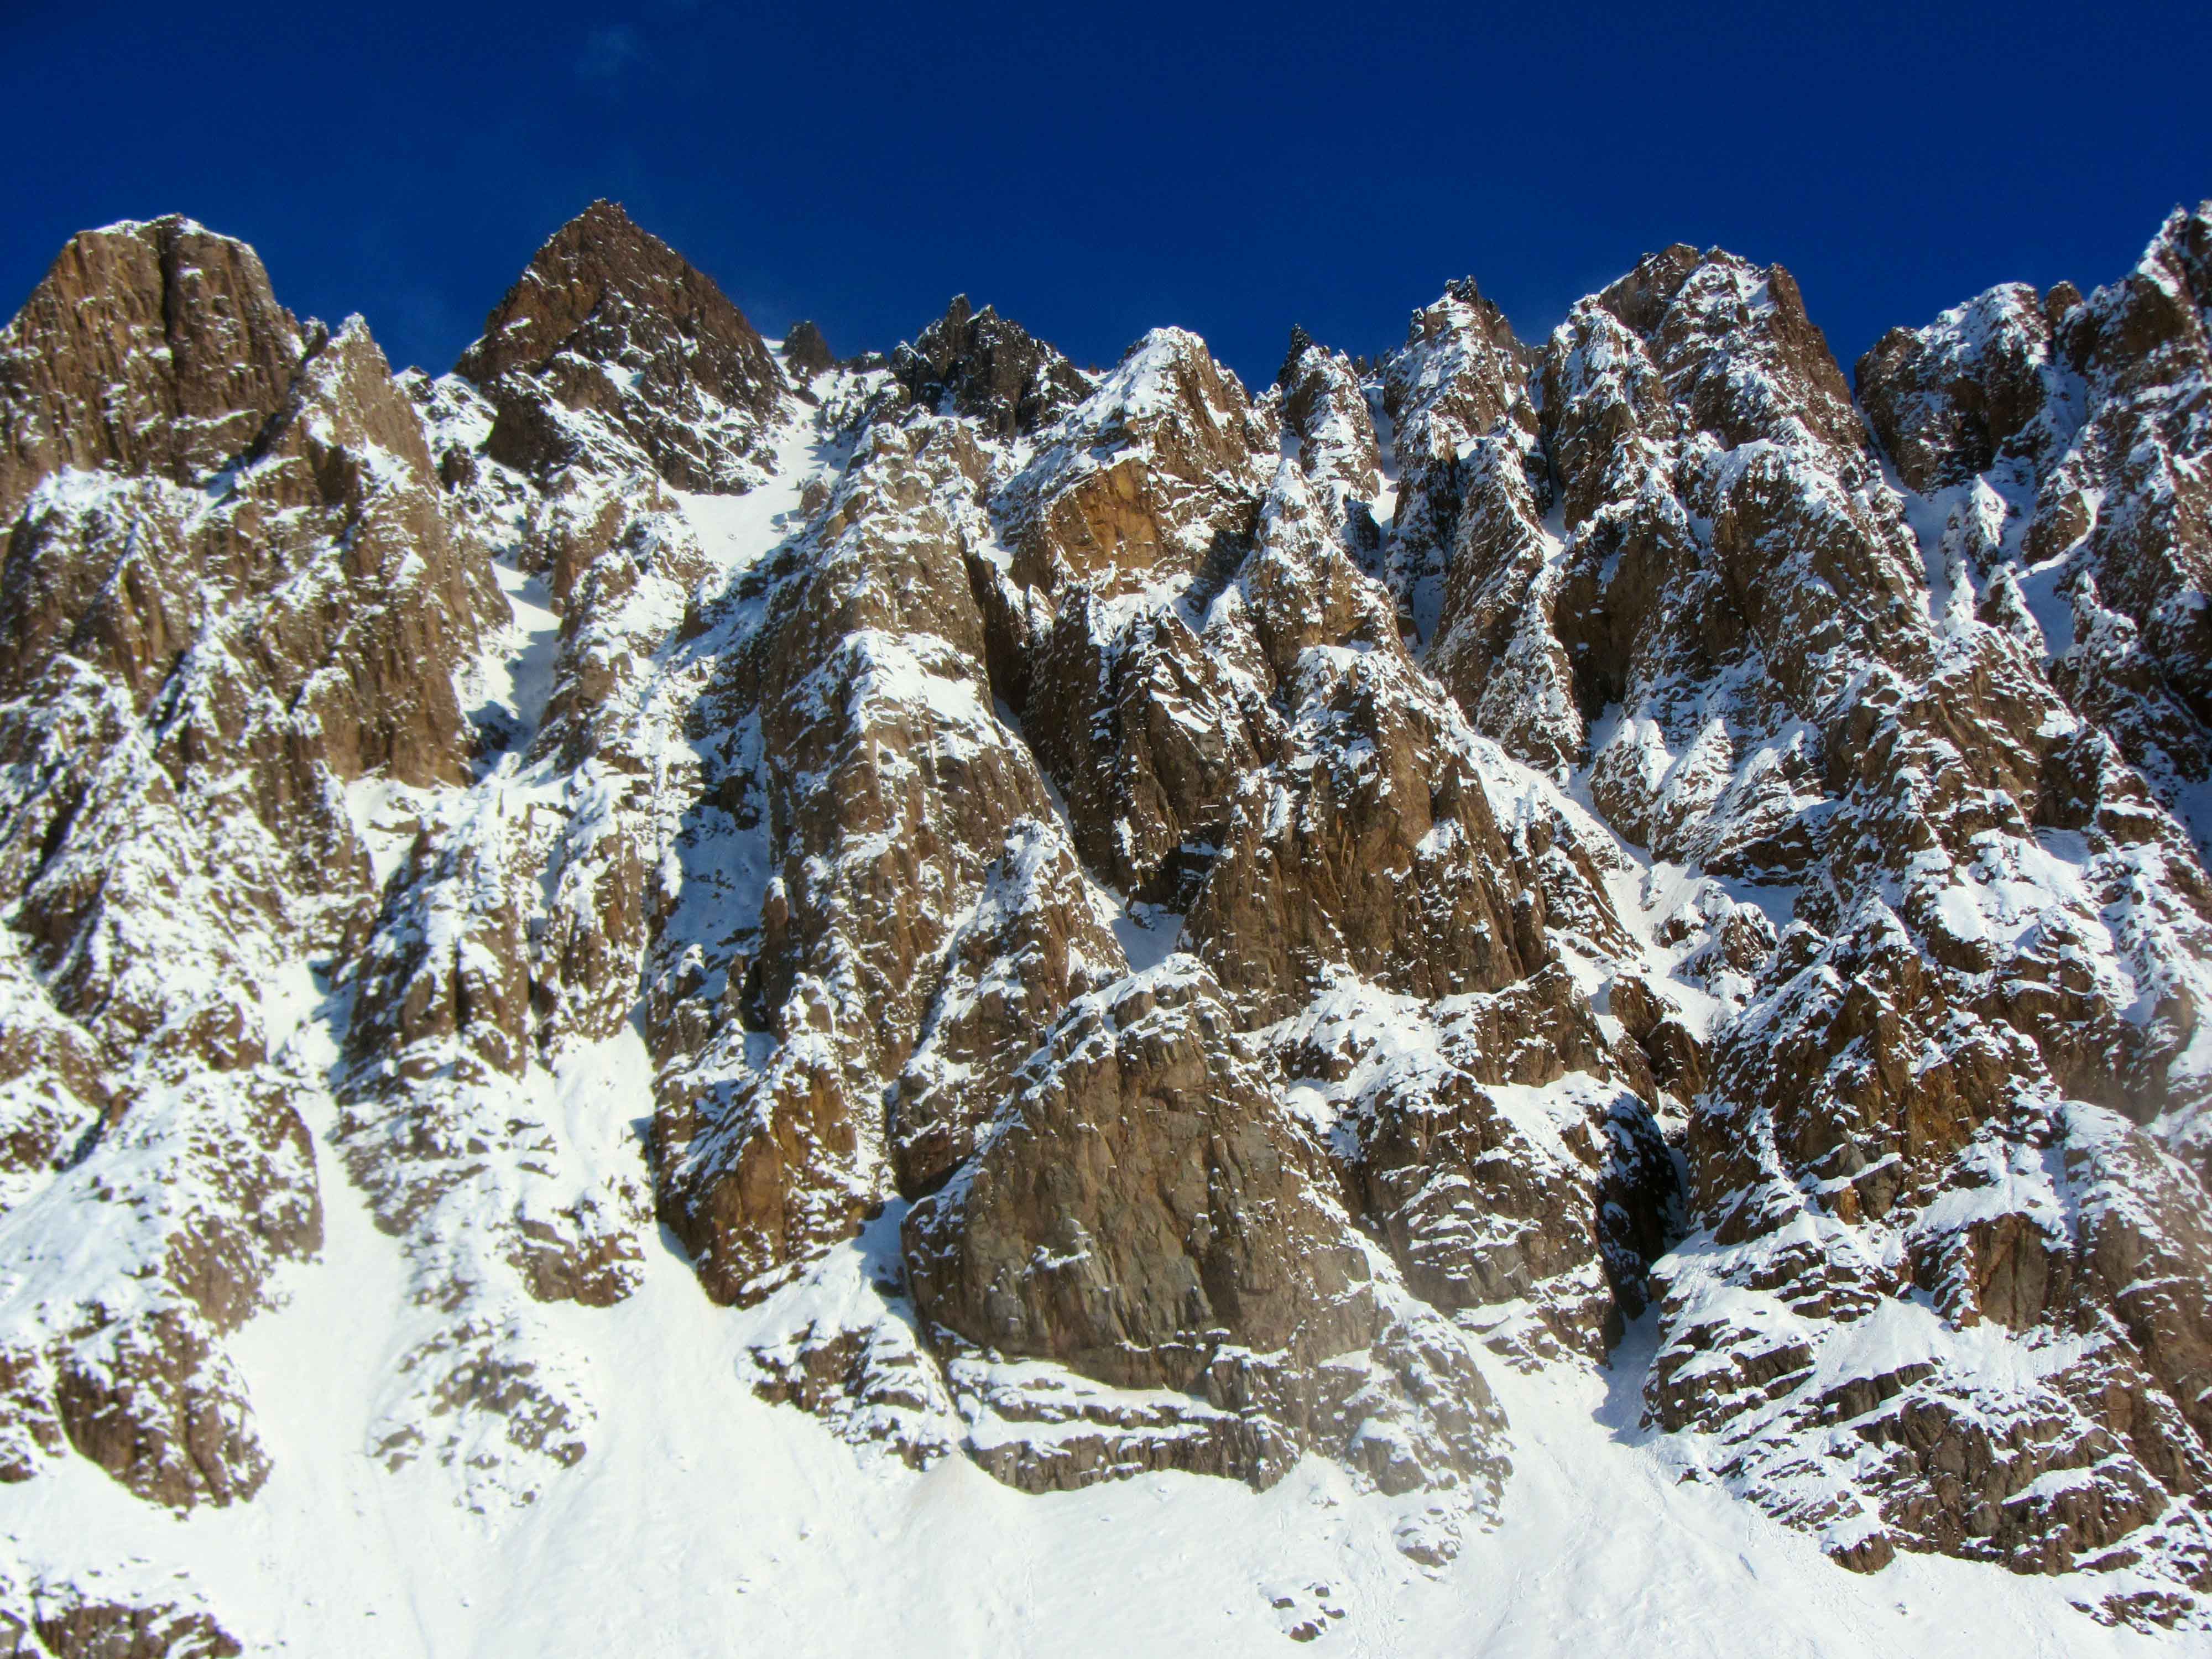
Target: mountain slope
665, 952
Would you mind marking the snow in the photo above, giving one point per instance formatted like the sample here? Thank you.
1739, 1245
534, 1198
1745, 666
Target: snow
735, 530
2042, 586
511, 681
704, 1520
1149, 934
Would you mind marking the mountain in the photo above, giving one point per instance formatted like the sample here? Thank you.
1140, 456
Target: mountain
671, 991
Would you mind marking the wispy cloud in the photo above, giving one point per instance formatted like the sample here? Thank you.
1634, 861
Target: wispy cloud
608, 52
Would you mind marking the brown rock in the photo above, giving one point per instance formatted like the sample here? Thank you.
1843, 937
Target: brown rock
1374, 848
978, 364
1158, 474
1032, 946
153, 348
806, 353
1140, 1212
1141, 1207
610, 320
1149, 738
894, 790
83, 1621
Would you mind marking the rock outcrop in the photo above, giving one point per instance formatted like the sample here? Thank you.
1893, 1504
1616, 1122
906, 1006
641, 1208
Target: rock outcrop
806, 352
153, 348
989, 368
1772, 666
2062, 440
1146, 1213
232, 591
101, 1618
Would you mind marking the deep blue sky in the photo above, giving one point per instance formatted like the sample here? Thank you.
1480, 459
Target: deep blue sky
1097, 170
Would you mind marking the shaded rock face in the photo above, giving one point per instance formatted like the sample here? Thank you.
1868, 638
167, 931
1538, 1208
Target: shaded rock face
1325, 405
1145, 1211
1148, 737
1370, 844
1162, 929
806, 352
1134, 1213
1946, 401
983, 366
1494, 1142
1454, 394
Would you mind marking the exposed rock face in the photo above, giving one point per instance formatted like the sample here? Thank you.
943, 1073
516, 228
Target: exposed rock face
1162, 929
1141, 1207
981, 365
1731, 585
1145, 1211
2063, 439
897, 806
1369, 844
609, 321
149, 347
1456, 395
1033, 941
1160, 469
930, 914
1324, 403
1949, 399
243, 596
806, 352
1487, 1137
100, 1620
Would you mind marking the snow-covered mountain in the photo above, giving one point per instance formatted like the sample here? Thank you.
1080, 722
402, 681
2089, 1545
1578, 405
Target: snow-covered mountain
675, 994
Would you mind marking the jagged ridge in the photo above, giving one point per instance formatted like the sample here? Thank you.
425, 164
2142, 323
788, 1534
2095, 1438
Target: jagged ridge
1156, 927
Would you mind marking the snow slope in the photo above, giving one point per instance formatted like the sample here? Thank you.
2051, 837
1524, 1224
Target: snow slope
706, 1521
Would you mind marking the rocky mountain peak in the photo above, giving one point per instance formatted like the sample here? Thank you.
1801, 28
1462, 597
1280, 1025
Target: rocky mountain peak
610, 322
1639, 298
147, 346
1456, 389
1697, 311
806, 353
1948, 399
1159, 470
1325, 404
2161, 303
590, 281
2068, 424
982, 365
1460, 372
